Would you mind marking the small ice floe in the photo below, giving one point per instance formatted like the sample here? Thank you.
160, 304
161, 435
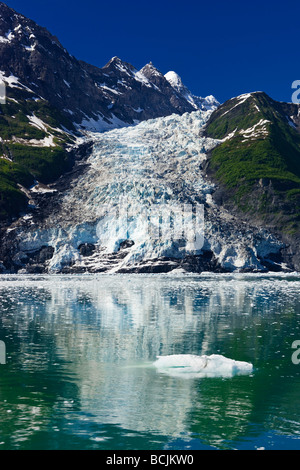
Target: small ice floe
191, 366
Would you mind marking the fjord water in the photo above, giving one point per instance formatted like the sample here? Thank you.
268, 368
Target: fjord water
80, 354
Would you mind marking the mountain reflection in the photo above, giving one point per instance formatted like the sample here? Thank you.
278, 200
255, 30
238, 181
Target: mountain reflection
92, 341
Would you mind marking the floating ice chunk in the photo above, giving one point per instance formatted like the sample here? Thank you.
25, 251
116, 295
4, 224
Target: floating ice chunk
191, 366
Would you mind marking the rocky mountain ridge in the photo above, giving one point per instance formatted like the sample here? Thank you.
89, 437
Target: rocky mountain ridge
52, 99
256, 166
91, 97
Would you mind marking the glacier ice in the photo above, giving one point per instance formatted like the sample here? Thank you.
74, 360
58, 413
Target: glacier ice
192, 366
154, 170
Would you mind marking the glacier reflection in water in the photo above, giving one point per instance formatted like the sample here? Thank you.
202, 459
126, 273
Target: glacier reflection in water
81, 351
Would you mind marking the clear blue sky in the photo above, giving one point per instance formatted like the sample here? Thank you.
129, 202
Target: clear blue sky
223, 48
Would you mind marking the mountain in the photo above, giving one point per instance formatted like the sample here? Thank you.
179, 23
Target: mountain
163, 149
36, 143
118, 212
52, 98
257, 164
197, 102
93, 98
241, 162
37, 139
228, 161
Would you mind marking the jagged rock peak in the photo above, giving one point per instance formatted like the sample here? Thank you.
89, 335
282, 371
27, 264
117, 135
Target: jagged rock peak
117, 66
150, 71
16, 28
92, 97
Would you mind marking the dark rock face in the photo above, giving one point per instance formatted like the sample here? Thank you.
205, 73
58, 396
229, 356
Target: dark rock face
126, 244
82, 91
32, 262
35, 269
86, 249
190, 264
176, 100
204, 262
38, 59
43, 255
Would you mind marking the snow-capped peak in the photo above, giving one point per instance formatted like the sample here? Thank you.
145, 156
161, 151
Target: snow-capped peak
175, 80
197, 102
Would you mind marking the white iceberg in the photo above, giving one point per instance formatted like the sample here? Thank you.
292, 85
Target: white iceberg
192, 366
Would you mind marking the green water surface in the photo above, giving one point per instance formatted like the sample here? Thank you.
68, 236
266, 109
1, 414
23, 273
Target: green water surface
80, 353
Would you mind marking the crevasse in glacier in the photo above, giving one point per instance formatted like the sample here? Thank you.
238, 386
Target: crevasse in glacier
145, 184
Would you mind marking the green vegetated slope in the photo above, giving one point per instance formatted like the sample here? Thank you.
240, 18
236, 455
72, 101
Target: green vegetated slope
33, 140
257, 162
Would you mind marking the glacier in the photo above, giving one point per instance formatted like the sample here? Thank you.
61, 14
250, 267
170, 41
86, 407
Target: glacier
139, 185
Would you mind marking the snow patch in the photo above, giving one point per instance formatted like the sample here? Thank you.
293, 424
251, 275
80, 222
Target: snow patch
241, 99
9, 36
37, 122
291, 121
100, 125
42, 189
140, 77
258, 130
13, 82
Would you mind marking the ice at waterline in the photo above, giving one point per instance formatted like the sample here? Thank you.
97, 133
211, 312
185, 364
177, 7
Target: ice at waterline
192, 366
